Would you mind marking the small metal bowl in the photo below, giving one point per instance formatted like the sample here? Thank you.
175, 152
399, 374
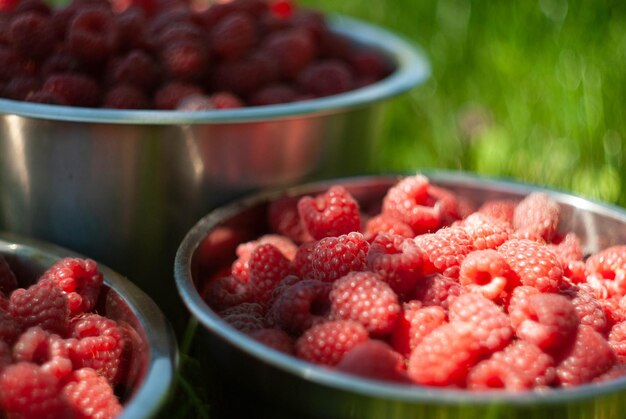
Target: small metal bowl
154, 351
278, 385
124, 186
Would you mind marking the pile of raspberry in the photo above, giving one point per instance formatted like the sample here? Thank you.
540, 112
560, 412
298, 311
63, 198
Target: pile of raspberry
58, 357
170, 54
426, 288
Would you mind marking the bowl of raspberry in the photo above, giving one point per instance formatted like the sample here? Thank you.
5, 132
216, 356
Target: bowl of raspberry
123, 122
77, 340
439, 294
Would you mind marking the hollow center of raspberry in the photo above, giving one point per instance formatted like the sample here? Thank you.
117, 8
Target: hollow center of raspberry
482, 278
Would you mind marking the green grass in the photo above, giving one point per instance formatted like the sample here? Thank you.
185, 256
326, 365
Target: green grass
531, 90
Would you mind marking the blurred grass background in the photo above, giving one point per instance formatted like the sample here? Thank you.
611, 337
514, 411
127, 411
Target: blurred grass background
532, 90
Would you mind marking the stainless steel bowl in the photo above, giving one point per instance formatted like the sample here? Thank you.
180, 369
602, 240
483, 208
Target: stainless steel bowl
280, 385
124, 186
154, 353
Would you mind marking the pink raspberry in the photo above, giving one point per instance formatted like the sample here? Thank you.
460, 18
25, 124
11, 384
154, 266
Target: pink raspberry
444, 250
415, 323
410, 202
169, 95
43, 304
488, 273
437, 290
382, 223
73, 89
327, 343
617, 340
500, 209
397, 260
185, 60
125, 97
293, 49
224, 291
45, 349
332, 213
608, 264
445, 356
375, 360
97, 342
334, 257
534, 264
490, 325
273, 94
536, 217
233, 36
8, 281
518, 367
268, 266
283, 218
92, 35
80, 280
245, 317
568, 249
589, 356
365, 298
486, 232
274, 338
90, 395
590, 312
302, 305
325, 78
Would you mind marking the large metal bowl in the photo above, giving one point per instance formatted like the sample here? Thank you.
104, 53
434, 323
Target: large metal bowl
124, 186
154, 353
278, 385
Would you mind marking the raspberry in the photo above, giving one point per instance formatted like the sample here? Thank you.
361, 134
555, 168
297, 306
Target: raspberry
385, 224
169, 95
293, 49
487, 272
590, 312
327, 343
302, 305
275, 339
244, 250
534, 263
42, 348
437, 290
97, 342
10, 328
334, 257
60, 62
332, 213
185, 60
225, 100
184, 32
490, 325
609, 264
31, 34
502, 210
409, 202
43, 304
617, 371
365, 298
486, 232
589, 356
233, 36
167, 17
8, 281
546, 320
131, 28
375, 360
447, 202
617, 340
444, 357
520, 366
245, 317
273, 94
268, 267
20, 87
334, 45
536, 217
136, 68
415, 323
195, 103
26, 6
7, 6
568, 249
73, 89
5, 356
444, 250
80, 280
283, 218
241, 77
397, 260
225, 291
325, 78
92, 35
11, 63
370, 63
282, 8
90, 395
125, 97
303, 261
46, 97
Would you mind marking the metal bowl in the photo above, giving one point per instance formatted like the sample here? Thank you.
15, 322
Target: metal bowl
281, 385
124, 186
154, 353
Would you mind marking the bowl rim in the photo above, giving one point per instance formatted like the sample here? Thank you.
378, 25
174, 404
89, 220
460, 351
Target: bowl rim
163, 356
413, 68
365, 387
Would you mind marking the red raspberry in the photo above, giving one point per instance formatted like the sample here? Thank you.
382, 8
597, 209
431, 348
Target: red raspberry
327, 343
568, 249
10, 327
385, 224
92, 35
445, 356
46, 98
224, 291
518, 367
609, 264
8, 281
334, 45
332, 213
437, 290
5, 355
502, 210
536, 217
534, 263
90, 395
73, 89
32, 35
45, 349
409, 202
414, 325
125, 96
490, 325
284, 219
293, 49
28, 391
282, 8
97, 342
325, 78
7, 6
397, 260
370, 63
282, 286
225, 100
60, 62
11, 63
136, 68
304, 260
169, 95
233, 36
488, 273
268, 266
546, 320
486, 232
617, 340
185, 60
617, 371
26, 6
241, 266
241, 77
614, 309
447, 202
444, 250
302, 305
131, 28
168, 16
245, 317
375, 360
334, 257
183, 32
20, 87
589, 356
276, 339
590, 312
195, 103
273, 94
365, 298
80, 280
43, 304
